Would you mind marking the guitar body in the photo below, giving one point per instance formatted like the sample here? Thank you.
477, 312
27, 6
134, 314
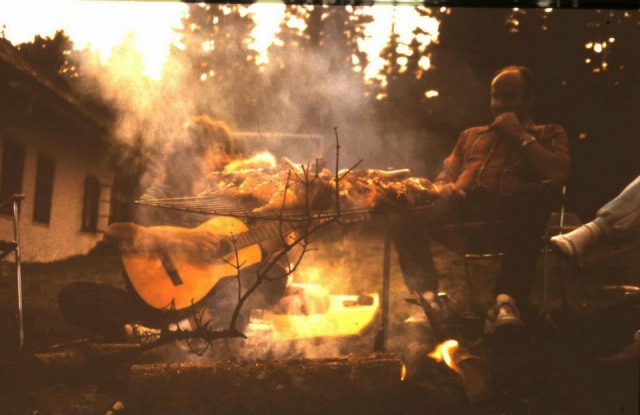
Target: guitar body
169, 281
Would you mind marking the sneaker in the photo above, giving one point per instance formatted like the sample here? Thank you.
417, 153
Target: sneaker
139, 334
503, 315
424, 300
417, 317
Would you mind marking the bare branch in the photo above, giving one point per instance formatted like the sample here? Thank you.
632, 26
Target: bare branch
291, 235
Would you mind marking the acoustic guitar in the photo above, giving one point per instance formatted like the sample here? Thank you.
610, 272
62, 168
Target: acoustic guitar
164, 280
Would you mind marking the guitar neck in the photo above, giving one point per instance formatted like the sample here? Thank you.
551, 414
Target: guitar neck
261, 233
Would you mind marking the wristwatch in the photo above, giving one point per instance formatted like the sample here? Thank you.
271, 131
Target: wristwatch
526, 140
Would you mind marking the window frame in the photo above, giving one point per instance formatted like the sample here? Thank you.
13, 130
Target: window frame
11, 172
43, 192
90, 204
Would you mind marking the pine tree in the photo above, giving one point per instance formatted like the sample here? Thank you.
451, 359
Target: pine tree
220, 66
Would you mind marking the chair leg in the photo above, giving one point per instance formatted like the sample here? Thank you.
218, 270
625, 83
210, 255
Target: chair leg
563, 293
545, 280
545, 314
468, 282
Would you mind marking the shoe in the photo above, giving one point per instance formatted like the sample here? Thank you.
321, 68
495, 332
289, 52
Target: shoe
428, 303
417, 317
558, 245
563, 246
503, 315
139, 334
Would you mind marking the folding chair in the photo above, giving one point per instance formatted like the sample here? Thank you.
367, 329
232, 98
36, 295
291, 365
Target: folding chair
487, 239
6, 247
560, 222
473, 241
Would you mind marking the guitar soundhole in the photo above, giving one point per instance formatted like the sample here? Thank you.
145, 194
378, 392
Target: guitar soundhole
226, 247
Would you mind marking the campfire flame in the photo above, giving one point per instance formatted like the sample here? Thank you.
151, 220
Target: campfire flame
444, 352
263, 160
403, 373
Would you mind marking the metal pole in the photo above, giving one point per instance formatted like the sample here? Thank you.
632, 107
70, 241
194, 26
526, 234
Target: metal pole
545, 276
561, 226
545, 269
16, 232
561, 222
379, 345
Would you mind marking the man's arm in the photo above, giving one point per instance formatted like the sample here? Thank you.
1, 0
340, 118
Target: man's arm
191, 244
546, 163
549, 165
445, 182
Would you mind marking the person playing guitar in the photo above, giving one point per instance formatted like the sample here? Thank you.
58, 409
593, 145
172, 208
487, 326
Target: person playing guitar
174, 261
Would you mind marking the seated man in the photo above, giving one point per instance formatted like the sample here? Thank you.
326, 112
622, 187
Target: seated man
510, 170
203, 146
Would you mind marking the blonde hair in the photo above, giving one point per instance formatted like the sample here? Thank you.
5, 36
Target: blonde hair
181, 164
202, 132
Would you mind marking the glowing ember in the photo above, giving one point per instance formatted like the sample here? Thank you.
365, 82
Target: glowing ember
444, 352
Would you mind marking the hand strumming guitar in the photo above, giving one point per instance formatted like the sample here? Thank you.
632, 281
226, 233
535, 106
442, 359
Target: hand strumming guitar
191, 244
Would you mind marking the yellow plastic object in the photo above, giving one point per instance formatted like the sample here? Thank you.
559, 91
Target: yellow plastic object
346, 316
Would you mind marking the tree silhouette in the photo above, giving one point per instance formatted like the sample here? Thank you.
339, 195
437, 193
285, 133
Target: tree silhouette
595, 105
50, 56
220, 64
313, 76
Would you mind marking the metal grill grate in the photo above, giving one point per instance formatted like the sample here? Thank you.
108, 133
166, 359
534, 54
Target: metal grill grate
219, 206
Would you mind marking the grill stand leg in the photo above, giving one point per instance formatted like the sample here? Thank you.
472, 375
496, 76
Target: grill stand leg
5, 249
380, 338
16, 232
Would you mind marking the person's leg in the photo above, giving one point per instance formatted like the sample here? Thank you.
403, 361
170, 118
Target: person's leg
526, 213
617, 220
412, 241
621, 216
104, 309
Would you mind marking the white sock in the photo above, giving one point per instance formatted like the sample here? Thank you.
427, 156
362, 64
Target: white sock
576, 242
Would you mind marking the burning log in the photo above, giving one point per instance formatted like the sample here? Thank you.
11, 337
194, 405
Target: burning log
476, 376
475, 373
336, 385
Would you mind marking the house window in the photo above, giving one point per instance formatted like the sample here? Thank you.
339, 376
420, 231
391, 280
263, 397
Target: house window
91, 203
12, 172
44, 189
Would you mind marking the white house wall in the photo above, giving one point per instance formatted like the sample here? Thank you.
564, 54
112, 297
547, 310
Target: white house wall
62, 237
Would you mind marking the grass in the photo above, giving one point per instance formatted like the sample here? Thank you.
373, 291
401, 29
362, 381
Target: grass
345, 260
41, 283
550, 373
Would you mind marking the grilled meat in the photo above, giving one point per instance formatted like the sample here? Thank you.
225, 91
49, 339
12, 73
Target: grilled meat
289, 186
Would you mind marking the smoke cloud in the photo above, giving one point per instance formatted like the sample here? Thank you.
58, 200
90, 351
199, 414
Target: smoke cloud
317, 92
317, 98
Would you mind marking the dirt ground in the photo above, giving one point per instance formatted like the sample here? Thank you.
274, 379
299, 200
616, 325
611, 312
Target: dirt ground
554, 367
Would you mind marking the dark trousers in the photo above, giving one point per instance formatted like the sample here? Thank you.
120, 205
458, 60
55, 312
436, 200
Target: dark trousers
104, 309
525, 213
